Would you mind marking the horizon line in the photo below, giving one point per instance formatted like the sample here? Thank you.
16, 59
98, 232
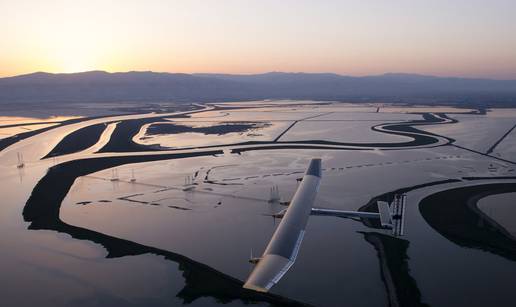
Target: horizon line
254, 74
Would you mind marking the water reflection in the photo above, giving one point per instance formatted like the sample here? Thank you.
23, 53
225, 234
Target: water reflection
42, 210
401, 287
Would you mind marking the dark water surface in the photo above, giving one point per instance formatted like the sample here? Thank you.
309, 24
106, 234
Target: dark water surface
118, 228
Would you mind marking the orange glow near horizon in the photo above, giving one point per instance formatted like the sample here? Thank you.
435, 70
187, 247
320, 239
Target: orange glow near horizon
463, 38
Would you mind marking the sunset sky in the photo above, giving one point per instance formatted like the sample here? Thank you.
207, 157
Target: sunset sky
472, 38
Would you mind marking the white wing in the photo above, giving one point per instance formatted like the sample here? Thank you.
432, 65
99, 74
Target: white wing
284, 245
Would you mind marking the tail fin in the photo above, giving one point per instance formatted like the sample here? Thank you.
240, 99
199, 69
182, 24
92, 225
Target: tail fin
385, 214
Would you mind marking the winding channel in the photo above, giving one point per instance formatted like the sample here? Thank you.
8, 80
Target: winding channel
113, 146
121, 139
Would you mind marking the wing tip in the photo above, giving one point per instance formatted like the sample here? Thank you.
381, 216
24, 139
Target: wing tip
314, 168
250, 286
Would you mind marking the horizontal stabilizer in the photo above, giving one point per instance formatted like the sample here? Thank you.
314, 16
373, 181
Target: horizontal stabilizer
398, 215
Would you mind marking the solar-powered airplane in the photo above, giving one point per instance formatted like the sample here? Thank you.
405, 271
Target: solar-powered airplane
284, 245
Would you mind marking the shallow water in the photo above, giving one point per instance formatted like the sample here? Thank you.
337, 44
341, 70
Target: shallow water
117, 242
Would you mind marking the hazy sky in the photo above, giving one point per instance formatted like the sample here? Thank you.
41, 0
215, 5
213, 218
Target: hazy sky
440, 37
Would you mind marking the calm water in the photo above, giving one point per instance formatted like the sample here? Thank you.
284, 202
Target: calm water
89, 236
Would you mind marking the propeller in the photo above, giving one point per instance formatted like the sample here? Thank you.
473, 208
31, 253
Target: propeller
252, 259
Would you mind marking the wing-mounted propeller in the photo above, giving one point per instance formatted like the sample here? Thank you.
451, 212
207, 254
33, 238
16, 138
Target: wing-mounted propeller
254, 260
278, 215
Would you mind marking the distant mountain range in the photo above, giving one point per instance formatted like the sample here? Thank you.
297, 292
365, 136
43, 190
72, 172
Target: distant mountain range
100, 86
